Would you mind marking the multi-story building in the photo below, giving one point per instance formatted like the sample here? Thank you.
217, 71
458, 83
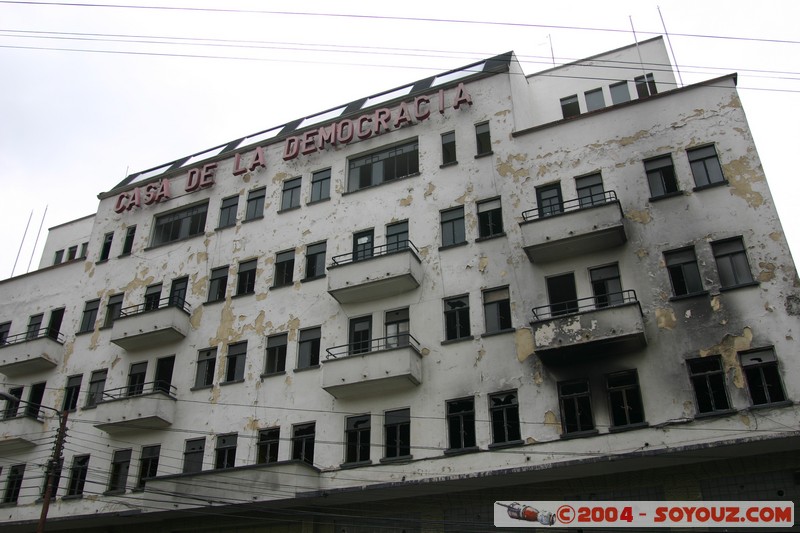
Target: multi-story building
384, 317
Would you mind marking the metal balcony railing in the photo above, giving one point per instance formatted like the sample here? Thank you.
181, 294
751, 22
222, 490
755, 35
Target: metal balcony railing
139, 389
372, 345
576, 204
592, 303
155, 305
33, 334
362, 254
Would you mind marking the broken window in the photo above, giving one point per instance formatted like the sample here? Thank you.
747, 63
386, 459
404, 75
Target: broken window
303, 442
504, 411
461, 423
120, 464
490, 218
576, 406
357, 439
570, 106
606, 285
148, 464
497, 310
225, 452
268, 443
105, 251
624, 398
71, 392
763, 377
683, 272
397, 427
206, 362
562, 294
661, 176
456, 318
708, 381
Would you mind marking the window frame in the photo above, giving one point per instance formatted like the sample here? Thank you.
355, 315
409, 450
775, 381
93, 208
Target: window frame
78, 472
303, 436
460, 314
148, 464
246, 277
461, 434
453, 227
105, 249
677, 269
504, 419
703, 164
284, 268
89, 316
225, 451
406, 153
483, 139
268, 445
315, 260
320, 186
13, 487
309, 340
448, 140
546, 205
713, 380
615, 89
596, 190
206, 365
732, 264
228, 209
490, 218
497, 310
254, 208
661, 177
397, 433
190, 221
357, 433
592, 102
290, 194
119, 470
97, 385
645, 85
631, 396
570, 106
754, 363
218, 284
71, 391
579, 400
127, 244
276, 351
235, 361
193, 455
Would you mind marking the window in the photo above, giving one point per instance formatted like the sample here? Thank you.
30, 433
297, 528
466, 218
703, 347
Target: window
490, 218
136, 378
594, 99
291, 194
397, 326
113, 309
177, 292
570, 106
763, 378
206, 362
276, 353
449, 148
237, 353
71, 392
163, 378
362, 245
396, 236
148, 464
255, 204
661, 176
5, 328
284, 268
105, 251
315, 260
497, 310
385, 165
152, 297
181, 224
360, 335
308, 348
461, 423
12, 405
576, 406
35, 396
58, 257
624, 399
732, 264
84, 249
268, 443
77, 475
303, 442
218, 284
620, 93
34, 327
97, 385
683, 272
549, 200
225, 453
483, 139
73, 251
562, 294
321, 185
397, 429
453, 231
590, 190
227, 212
193, 455
705, 166
606, 286
120, 464
504, 410
89, 316
13, 483
645, 85
246, 278
54, 325
357, 439
456, 318
127, 244
708, 381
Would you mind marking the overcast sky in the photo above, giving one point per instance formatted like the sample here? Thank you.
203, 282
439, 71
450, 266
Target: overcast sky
91, 93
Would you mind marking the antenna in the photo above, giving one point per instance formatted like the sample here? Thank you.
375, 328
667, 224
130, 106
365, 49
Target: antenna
671, 51
20, 244
641, 63
36, 242
552, 55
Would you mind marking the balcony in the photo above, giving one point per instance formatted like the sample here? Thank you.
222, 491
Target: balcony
373, 367
375, 273
30, 352
574, 227
588, 329
19, 432
137, 407
152, 324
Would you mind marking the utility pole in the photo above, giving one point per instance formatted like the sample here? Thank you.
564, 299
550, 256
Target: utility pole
52, 464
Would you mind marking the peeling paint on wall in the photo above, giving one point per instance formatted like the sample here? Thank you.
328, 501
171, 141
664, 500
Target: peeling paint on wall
642, 217
741, 177
196, 317
665, 318
550, 419
429, 190
715, 303
405, 202
508, 168
767, 272
523, 340
728, 349
483, 262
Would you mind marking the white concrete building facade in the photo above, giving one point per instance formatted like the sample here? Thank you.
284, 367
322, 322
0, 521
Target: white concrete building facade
384, 317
